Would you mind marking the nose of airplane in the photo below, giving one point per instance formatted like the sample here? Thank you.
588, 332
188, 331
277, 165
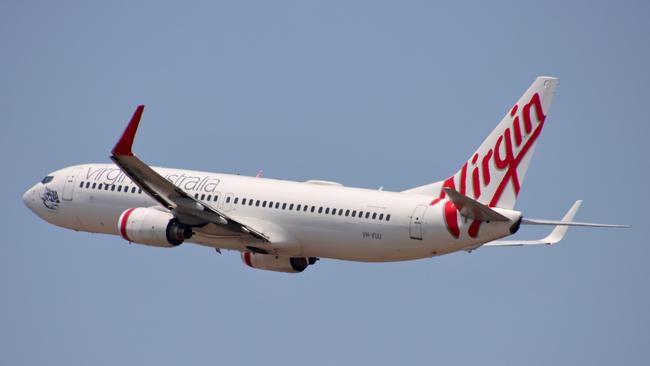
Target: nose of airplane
29, 198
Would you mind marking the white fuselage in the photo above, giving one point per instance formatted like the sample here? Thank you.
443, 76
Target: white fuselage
310, 219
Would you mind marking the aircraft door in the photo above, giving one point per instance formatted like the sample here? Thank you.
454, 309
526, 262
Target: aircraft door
415, 228
68, 185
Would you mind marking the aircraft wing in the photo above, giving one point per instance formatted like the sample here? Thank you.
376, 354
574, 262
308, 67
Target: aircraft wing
561, 227
183, 206
554, 237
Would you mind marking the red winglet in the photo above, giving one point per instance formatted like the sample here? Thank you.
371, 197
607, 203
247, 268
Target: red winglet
123, 147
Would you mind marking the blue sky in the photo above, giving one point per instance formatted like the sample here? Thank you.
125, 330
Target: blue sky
393, 94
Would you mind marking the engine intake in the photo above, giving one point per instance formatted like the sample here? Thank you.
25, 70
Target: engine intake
277, 263
152, 227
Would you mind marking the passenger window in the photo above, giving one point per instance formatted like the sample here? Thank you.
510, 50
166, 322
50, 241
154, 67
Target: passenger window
140, 191
388, 217
264, 204
133, 190
277, 205
257, 203
126, 189
284, 206
228, 199
305, 208
347, 212
270, 204
361, 214
119, 188
196, 196
320, 209
354, 213
381, 217
203, 197
105, 187
209, 197
81, 185
367, 214
374, 215
291, 206
243, 201
112, 187
313, 208
340, 211
94, 185
298, 208
327, 211
250, 202
333, 211
236, 199
87, 184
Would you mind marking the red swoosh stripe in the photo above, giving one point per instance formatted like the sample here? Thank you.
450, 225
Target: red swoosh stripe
123, 223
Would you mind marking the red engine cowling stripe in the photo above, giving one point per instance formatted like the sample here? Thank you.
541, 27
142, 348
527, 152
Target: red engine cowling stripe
247, 259
123, 223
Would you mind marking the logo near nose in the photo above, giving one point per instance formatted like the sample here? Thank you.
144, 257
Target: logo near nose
50, 199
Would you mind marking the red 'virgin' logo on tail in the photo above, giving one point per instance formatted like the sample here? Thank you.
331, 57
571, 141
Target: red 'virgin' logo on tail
504, 159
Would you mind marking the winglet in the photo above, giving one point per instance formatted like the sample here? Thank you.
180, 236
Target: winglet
558, 233
123, 146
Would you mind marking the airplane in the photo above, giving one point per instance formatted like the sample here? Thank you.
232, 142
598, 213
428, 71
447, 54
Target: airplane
286, 226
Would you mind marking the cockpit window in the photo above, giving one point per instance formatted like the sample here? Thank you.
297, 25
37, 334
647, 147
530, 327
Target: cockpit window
47, 179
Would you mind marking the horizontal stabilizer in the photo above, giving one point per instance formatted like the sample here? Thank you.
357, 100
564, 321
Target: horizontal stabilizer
554, 237
473, 209
562, 223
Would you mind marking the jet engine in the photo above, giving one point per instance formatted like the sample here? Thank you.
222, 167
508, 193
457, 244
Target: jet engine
277, 263
153, 227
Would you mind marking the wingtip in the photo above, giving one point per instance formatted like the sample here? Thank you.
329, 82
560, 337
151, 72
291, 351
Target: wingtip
572, 211
125, 143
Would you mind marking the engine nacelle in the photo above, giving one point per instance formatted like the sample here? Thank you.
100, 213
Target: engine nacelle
277, 263
149, 226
